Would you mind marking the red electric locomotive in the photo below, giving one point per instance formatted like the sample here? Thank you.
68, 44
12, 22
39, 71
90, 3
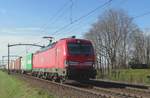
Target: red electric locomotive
68, 58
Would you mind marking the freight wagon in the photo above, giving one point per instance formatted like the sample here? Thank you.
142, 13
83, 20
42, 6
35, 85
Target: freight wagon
15, 65
12, 65
26, 63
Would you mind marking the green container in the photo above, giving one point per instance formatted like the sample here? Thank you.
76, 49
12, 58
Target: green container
27, 62
23, 63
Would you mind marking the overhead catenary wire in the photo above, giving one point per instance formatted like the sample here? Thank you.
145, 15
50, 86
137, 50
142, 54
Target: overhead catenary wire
54, 17
142, 15
71, 8
133, 18
80, 18
78, 25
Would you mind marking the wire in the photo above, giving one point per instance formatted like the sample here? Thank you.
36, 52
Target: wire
80, 18
71, 6
144, 14
135, 17
80, 25
54, 17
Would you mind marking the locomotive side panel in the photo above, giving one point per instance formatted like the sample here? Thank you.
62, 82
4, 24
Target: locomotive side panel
44, 59
50, 62
61, 54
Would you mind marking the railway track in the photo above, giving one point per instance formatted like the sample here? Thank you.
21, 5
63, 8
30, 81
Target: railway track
62, 90
118, 94
113, 93
123, 84
141, 91
83, 90
121, 90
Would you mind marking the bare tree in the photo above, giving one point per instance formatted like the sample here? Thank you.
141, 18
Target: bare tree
110, 38
147, 46
138, 48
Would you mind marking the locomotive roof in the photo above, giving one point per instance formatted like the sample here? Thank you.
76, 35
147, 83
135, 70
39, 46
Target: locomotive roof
65, 39
74, 39
47, 47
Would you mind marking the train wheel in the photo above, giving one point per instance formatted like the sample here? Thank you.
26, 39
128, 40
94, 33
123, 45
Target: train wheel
62, 80
54, 79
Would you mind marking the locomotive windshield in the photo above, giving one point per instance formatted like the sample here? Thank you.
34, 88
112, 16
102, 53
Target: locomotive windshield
79, 48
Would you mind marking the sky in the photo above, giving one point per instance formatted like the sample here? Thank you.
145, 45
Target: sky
27, 21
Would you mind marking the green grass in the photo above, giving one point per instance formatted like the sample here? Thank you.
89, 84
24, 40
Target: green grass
11, 87
132, 76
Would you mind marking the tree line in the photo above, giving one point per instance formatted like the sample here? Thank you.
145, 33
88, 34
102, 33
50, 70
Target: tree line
118, 41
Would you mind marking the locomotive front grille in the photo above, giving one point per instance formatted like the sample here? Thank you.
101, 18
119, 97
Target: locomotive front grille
73, 72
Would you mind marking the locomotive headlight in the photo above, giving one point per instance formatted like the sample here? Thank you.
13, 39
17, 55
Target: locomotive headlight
71, 63
67, 63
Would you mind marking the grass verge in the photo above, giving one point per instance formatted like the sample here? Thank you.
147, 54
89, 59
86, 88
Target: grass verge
138, 76
11, 87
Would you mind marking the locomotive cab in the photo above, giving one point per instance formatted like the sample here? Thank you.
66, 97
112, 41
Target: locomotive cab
80, 59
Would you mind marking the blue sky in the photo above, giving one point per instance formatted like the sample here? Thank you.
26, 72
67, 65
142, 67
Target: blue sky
29, 20
37, 15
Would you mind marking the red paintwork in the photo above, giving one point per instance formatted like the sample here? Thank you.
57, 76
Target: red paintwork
81, 58
17, 63
56, 56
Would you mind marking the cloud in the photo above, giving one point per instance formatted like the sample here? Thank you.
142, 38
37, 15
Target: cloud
23, 35
27, 31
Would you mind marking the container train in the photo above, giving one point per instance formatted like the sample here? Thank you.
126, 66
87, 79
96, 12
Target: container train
68, 58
